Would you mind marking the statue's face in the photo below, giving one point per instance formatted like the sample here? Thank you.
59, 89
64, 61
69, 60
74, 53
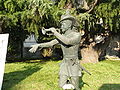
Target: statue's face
65, 25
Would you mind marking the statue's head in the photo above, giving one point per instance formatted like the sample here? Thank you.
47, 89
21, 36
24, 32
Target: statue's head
67, 22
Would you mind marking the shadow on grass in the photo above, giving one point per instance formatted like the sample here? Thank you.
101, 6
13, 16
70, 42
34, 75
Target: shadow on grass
82, 83
34, 60
13, 78
110, 87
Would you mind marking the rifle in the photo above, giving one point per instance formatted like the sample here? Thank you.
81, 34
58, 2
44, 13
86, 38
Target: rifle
84, 69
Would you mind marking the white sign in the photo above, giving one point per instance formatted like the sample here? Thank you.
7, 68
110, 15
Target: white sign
3, 51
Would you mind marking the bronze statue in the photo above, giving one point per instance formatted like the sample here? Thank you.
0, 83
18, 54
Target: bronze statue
69, 40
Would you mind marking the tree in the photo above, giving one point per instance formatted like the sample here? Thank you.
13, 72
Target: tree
10, 15
105, 24
97, 18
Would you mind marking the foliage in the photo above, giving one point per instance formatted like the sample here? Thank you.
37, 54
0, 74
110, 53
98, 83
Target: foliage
109, 11
34, 14
41, 13
10, 14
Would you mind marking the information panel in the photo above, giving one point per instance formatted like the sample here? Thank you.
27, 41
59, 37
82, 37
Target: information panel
3, 51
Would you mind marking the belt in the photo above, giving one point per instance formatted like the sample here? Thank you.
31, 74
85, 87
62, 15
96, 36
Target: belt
70, 56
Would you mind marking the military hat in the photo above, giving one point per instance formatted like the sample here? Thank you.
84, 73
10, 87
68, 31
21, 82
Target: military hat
70, 17
67, 17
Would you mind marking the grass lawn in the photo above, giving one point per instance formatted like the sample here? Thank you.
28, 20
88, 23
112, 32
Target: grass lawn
43, 75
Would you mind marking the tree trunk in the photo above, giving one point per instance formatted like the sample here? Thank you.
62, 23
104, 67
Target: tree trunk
108, 49
1, 27
89, 54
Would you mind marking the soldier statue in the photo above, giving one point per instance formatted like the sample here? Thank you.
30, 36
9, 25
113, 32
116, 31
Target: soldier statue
69, 40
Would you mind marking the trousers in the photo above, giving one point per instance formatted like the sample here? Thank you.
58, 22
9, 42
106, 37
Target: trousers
74, 80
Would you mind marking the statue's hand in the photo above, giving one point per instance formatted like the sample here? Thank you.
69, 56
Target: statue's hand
52, 29
34, 48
